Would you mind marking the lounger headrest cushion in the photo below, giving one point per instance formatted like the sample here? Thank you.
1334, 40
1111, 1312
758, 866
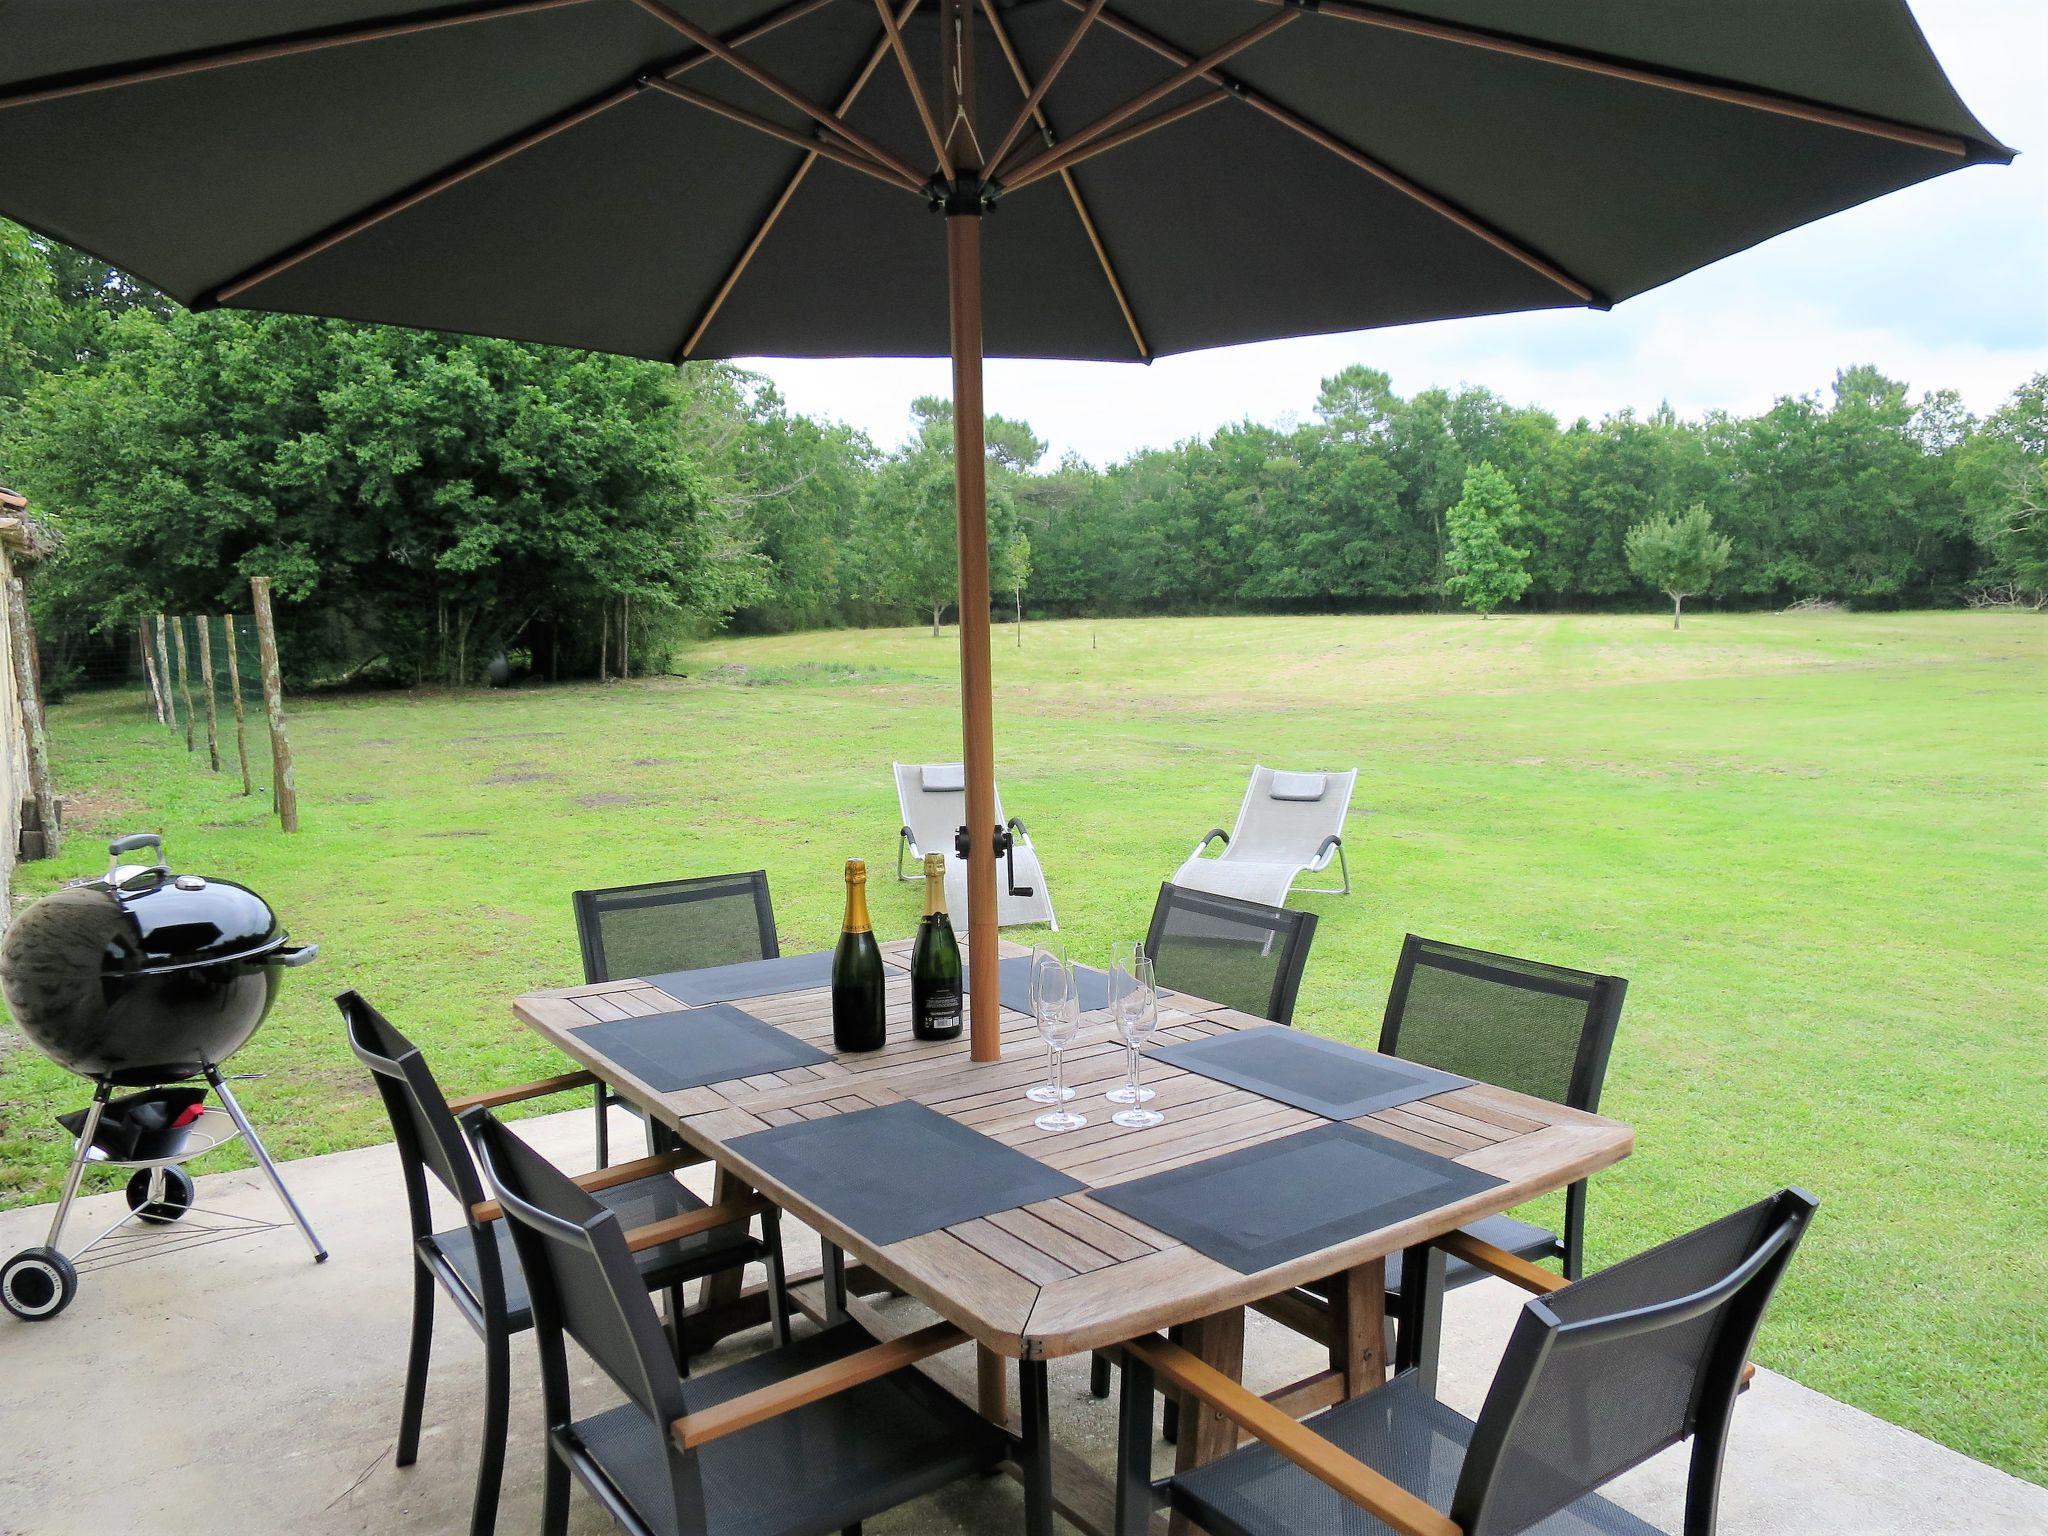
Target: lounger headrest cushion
942, 778
1298, 786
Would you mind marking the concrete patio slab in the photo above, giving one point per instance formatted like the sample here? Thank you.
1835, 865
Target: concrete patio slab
238, 1387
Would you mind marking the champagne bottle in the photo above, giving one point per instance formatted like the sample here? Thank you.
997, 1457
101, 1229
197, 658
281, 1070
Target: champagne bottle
859, 1022
935, 962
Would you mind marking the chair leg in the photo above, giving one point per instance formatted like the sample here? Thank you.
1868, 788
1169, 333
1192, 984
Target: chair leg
490, 1470
604, 1129
778, 1277
1134, 1496
417, 1355
554, 1507
1034, 1402
679, 1328
1420, 1309
1098, 1375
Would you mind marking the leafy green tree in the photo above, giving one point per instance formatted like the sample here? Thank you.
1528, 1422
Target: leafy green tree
2002, 479
420, 498
1016, 567
31, 318
1680, 556
1485, 569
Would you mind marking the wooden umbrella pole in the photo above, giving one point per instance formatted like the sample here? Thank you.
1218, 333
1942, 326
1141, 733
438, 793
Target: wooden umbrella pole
970, 487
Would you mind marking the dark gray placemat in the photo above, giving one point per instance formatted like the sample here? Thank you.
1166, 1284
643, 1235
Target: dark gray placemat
695, 1046
900, 1170
1274, 1202
749, 978
1324, 1077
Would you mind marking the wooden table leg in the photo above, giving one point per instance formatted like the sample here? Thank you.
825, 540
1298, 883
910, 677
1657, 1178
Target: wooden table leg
1206, 1434
1358, 1327
991, 1392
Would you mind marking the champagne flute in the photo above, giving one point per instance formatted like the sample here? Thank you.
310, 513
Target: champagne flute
1059, 1020
1126, 962
1046, 959
1137, 1016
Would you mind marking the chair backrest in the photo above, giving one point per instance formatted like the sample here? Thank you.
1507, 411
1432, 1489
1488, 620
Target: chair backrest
585, 1286
1539, 1029
1243, 954
675, 925
1607, 1372
1278, 824
427, 1135
933, 815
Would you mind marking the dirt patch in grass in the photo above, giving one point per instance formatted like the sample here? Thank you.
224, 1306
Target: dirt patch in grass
610, 799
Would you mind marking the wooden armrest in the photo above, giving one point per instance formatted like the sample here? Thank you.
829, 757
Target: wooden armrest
764, 1403
1498, 1261
690, 1223
1376, 1494
609, 1178
536, 1090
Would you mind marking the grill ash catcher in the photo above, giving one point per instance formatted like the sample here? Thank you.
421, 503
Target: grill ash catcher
144, 980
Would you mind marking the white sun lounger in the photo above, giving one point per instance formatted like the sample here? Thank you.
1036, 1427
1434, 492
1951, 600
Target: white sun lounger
1290, 824
933, 800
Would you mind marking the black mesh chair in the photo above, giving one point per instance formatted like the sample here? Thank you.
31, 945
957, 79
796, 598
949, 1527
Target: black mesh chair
1599, 1375
1243, 954
474, 1262
671, 925
812, 1436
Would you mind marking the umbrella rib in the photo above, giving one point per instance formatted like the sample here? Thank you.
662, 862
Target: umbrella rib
1072, 156
56, 88
1036, 93
760, 235
1034, 109
775, 85
813, 143
1753, 97
894, 36
1191, 69
485, 159
1471, 223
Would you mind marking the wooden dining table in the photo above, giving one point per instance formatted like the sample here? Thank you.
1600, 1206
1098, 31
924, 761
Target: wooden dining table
1072, 1274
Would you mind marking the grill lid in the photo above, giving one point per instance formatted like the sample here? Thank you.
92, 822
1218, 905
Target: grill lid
174, 921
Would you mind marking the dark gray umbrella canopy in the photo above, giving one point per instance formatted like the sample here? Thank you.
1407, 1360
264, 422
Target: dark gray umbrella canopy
1533, 156
711, 178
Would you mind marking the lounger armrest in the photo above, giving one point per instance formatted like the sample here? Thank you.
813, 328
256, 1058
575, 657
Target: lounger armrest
1376, 1494
610, 1178
534, 1090
764, 1403
1329, 846
907, 835
1016, 825
1498, 1261
1214, 834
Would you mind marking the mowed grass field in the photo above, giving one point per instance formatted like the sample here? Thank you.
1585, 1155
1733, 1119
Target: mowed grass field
1813, 843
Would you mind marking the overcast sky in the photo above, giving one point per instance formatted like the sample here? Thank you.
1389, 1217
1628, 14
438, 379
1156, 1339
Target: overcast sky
1942, 284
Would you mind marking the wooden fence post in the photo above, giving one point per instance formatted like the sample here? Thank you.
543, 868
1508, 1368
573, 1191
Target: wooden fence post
184, 679
227, 625
206, 681
163, 672
156, 695
40, 783
283, 787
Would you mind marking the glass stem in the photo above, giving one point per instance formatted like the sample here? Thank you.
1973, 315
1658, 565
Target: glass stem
1059, 1078
1132, 1051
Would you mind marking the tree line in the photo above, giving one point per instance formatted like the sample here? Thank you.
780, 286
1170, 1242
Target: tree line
425, 504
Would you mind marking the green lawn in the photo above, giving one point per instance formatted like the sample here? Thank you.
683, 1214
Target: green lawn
1814, 844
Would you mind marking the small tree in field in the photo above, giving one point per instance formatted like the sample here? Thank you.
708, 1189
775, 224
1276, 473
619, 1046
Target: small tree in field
1485, 569
1680, 556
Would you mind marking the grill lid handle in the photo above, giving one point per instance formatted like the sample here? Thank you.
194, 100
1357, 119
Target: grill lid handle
120, 875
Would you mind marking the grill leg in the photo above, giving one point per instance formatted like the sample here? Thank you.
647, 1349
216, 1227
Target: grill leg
100, 1095
234, 1109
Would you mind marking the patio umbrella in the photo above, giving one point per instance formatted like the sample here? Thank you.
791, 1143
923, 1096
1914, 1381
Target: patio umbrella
682, 179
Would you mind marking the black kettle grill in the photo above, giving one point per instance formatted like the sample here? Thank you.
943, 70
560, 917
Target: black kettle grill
142, 978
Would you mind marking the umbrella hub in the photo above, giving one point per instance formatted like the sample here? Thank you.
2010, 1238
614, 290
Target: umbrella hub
965, 195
